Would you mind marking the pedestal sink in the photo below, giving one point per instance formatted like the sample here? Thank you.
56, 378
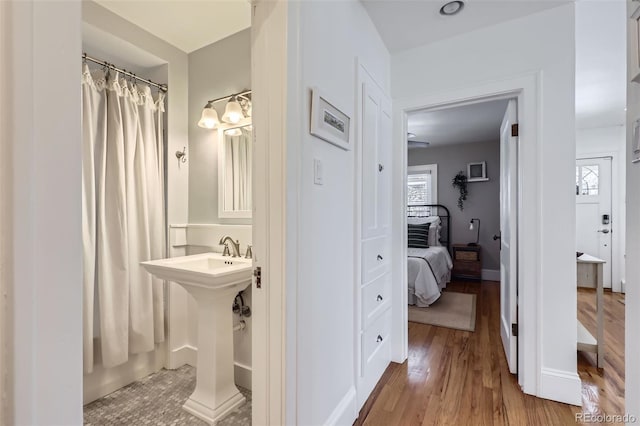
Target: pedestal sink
213, 280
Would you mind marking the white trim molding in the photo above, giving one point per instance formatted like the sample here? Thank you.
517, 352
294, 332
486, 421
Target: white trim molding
526, 88
346, 412
562, 386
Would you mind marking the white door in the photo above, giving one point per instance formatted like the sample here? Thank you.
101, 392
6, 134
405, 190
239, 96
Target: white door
508, 233
593, 210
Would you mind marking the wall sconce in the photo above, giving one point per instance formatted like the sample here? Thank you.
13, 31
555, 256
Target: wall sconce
238, 107
471, 228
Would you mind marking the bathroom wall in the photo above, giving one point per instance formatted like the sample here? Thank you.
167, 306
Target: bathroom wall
216, 70
123, 38
483, 201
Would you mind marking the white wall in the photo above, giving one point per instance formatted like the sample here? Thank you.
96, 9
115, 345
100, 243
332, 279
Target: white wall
632, 322
177, 174
601, 141
508, 50
325, 375
42, 145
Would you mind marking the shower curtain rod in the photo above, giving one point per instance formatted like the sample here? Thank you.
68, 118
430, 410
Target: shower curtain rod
162, 87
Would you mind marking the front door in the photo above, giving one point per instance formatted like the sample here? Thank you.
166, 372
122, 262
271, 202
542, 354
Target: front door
593, 210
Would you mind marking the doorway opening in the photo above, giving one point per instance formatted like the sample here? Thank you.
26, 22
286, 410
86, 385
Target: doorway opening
462, 196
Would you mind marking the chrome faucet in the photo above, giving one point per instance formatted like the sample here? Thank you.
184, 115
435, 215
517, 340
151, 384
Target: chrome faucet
235, 245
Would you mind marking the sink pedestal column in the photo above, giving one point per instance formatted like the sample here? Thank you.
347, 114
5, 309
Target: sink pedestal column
216, 394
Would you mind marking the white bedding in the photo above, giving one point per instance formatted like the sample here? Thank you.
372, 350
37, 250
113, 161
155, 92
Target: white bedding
425, 285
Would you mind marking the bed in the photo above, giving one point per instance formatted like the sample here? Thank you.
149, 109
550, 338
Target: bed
429, 269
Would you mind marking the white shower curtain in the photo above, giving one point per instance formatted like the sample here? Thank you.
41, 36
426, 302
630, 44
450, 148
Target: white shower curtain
123, 217
238, 173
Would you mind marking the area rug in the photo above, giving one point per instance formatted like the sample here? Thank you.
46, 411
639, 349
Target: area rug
451, 310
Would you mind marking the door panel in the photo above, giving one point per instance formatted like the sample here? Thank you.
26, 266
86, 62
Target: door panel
508, 226
370, 185
593, 201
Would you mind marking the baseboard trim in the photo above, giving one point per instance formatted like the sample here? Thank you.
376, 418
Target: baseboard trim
491, 275
561, 386
345, 412
242, 374
186, 354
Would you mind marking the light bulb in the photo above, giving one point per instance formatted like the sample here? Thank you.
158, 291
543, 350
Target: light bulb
233, 112
209, 118
471, 226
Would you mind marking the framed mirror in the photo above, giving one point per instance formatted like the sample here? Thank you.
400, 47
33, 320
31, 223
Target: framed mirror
235, 146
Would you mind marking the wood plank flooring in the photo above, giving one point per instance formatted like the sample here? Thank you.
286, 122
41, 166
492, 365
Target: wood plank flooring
457, 377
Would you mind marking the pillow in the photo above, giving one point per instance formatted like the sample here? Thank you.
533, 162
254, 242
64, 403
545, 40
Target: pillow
418, 235
434, 235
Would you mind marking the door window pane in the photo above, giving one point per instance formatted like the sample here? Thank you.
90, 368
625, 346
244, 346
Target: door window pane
588, 180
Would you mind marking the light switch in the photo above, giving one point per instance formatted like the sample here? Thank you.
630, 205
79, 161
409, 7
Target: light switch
317, 171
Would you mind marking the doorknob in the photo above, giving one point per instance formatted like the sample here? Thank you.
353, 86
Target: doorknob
604, 231
497, 237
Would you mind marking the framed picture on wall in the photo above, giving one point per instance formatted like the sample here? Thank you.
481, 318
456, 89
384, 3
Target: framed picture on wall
328, 122
477, 172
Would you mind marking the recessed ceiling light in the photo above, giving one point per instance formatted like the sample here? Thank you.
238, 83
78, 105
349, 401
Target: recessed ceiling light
452, 8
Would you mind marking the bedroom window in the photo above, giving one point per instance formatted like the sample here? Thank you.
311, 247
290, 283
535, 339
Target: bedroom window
421, 189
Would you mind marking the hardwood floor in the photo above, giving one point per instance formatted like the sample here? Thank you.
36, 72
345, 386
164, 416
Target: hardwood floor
461, 378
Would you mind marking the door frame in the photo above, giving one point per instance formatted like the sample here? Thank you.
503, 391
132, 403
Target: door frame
526, 90
617, 216
276, 118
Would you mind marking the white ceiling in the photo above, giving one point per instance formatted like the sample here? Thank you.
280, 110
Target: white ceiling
186, 24
478, 122
601, 68
107, 47
404, 24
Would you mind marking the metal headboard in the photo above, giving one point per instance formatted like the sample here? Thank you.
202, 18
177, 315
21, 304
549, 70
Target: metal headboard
426, 210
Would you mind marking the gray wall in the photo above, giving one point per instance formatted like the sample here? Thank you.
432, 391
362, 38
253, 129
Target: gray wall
483, 201
217, 70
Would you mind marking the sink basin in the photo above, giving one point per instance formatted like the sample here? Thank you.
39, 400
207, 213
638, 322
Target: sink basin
213, 280
208, 270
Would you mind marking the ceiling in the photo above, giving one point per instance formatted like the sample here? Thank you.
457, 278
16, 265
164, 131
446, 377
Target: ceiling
473, 123
185, 24
404, 24
601, 67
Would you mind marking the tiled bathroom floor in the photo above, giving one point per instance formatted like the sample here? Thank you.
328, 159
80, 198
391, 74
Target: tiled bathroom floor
157, 400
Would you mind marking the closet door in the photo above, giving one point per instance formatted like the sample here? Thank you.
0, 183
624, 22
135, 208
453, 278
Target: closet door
376, 161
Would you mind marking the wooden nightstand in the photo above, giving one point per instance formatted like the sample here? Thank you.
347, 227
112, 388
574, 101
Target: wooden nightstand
467, 262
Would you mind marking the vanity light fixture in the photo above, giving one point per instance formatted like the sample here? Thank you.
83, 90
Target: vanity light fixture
452, 8
233, 111
238, 107
209, 117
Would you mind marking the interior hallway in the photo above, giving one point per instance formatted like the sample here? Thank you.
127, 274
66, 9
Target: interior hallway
459, 377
